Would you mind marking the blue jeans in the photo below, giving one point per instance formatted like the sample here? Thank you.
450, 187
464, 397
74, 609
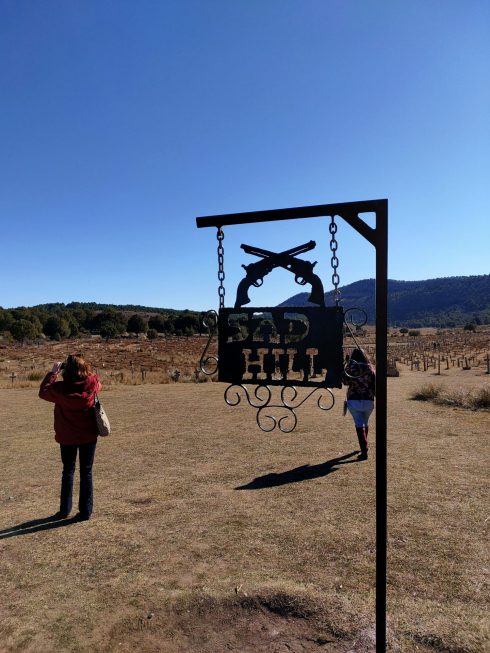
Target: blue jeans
86, 460
361, 410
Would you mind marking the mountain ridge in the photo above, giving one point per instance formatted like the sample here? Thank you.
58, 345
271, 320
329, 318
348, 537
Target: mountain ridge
439, 302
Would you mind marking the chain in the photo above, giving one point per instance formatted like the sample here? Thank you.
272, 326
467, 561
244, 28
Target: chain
334, 260
221, 267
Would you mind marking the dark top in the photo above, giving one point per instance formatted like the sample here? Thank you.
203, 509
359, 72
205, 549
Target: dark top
360, 380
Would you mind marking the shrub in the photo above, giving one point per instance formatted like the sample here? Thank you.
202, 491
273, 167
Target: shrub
169, 326
6, 320
56, 327
110, 320
186, 325
427, 392
470, 327
157, 323
414, 333
151, 334
109, 330
136, 324
476, 399
35, 376
480, 399
25, 330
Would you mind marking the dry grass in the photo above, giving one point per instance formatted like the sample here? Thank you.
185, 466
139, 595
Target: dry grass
427, 392
128, 361
474, 399
178, 559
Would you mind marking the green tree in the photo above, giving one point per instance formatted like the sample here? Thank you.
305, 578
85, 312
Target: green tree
56, 325
23, 330
88, 319
73, 324
157, 322
6, 320
111, 320
136, 324
186, 325
169, 327
109, 329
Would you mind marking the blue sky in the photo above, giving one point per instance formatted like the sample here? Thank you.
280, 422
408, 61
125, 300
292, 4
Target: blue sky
121, 121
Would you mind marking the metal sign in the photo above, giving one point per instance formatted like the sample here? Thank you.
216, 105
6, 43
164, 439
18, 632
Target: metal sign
281, 346
290, 347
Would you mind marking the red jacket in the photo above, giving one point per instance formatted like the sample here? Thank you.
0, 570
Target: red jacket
74, 419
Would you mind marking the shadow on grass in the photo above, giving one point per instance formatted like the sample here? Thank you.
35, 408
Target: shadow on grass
36, 525
298, 474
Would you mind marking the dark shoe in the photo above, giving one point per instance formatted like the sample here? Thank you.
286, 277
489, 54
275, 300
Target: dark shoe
362, 456
61, 515
80, 516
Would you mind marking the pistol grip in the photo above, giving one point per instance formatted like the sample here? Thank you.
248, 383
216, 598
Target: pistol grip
317, 295
242, 297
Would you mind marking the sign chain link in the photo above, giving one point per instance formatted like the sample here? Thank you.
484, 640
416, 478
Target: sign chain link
334, 260
221, 269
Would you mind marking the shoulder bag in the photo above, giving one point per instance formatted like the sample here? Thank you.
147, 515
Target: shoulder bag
101, 419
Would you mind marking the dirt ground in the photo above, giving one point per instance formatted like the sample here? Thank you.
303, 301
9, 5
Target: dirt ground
210, 536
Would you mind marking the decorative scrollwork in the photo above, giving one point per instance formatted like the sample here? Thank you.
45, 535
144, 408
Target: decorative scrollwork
233, 396
355, 316
261, 399
281, 423
358, 318
354, 370
210, 322
322, 393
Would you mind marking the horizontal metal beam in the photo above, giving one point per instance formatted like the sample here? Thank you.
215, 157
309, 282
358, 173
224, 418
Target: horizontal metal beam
349, 211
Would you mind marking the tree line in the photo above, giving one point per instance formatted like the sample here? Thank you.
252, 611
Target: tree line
60, 321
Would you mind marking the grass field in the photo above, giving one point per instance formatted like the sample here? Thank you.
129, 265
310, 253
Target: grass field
211, 536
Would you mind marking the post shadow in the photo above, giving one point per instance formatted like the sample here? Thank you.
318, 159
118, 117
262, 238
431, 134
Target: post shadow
35, 525
298, 474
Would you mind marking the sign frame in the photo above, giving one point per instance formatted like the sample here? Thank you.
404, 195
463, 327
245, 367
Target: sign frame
378, 237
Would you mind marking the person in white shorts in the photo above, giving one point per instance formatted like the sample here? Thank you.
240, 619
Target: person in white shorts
360, 379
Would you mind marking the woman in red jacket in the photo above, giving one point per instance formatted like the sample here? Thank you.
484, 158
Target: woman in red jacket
75, 428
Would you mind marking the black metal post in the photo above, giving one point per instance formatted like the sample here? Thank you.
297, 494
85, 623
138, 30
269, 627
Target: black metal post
349, 211
381, 424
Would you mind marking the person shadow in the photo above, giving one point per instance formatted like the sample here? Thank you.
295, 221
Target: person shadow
35, 525
299, 474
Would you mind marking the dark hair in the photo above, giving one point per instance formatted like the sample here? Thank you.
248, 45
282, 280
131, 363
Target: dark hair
76, 369
359, 357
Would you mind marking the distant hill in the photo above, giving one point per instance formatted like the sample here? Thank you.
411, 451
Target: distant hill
444, 302
126, 308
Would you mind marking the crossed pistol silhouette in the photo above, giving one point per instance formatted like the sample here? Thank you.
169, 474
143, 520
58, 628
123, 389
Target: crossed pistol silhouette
302, 270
